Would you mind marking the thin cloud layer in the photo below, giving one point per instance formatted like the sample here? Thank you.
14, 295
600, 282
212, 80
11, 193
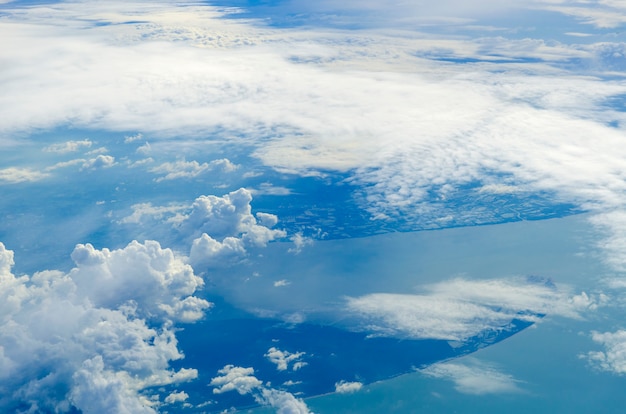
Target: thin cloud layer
460, 309
474, 377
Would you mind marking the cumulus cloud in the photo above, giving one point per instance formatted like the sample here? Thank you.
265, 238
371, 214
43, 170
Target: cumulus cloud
282, 359
348, 387
226, 227
242, 380
220, 229
613, 358
157, 282
92, 351
176, 397
474, 377
459, 309
191, 169
101, 161
208, 252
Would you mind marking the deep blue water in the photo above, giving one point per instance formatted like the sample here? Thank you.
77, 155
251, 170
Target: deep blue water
332, 354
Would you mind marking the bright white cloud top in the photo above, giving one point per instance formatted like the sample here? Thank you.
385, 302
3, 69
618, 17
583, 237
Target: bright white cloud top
253, 181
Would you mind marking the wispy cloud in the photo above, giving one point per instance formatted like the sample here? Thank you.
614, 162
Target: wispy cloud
459, 309
474, 377
14, 175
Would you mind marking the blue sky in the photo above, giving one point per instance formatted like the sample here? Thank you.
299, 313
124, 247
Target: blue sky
312, 192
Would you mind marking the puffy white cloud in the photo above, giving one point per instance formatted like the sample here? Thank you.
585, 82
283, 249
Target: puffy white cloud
459, 309
221, 216
14, 175
208, 252
613, 358
92, 351
284, 402
229, 219
243, 381
234, 378
154, 279
282, 359
220, 229
101, 161
474, 377
175, 397
69, 146
347, 387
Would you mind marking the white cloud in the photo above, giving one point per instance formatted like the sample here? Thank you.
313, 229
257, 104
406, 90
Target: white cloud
97, 356
15, 175
282, 359
299, 243
69, 146
101, 161
235, 378
147, 210
243, 381
208, 252
132, 138
157, 282
229, 219
176, 397
65, 164
474, 377
348, 387
459, 309
191, 169
220, 229
613, 358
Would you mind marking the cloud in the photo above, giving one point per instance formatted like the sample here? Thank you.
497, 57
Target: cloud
227, 228
235, 378
348, 387
132, 138
15, 175
158, 283
220, 230
191, 169
460, 309
299, 243
147, 210
65, 164
613, 358
69, 146
176, 397
207, 252
282, 359
474, 377
92, 352
243, 381
101, 161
